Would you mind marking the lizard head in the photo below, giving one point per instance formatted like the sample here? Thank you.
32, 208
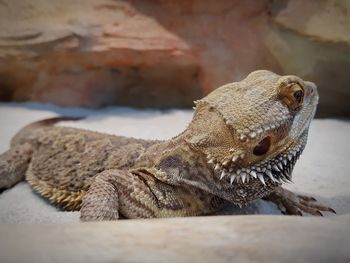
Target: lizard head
253, 131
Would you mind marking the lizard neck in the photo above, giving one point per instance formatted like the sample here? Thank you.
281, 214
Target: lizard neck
180, 163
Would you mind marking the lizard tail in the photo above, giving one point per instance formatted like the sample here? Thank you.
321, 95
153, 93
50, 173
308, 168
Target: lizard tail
33, 129
54, 120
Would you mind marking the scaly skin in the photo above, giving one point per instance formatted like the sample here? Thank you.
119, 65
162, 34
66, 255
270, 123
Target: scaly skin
241, 145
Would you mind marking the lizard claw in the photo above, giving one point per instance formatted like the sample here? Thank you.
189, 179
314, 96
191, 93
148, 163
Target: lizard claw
307, 198
293, 204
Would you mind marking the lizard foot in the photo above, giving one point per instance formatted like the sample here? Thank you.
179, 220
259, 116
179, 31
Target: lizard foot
293, 204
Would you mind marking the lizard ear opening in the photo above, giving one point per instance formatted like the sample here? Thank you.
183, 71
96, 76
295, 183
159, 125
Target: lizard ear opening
262, 147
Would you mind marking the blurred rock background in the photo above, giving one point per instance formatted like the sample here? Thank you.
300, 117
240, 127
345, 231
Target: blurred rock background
167, 53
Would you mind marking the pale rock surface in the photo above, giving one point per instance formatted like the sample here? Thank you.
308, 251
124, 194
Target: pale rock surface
201, 239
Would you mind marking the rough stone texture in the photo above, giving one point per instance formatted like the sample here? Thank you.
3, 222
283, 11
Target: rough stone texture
168, 53
311, 39
201, 239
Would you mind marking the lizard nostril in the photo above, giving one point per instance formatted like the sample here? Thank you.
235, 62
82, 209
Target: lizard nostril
310, 87
262, 147
311, 90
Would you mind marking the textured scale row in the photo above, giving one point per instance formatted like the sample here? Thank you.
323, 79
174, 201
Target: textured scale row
253, 132
278, 170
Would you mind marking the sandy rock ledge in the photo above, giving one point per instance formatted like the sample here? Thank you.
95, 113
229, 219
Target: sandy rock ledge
200, 239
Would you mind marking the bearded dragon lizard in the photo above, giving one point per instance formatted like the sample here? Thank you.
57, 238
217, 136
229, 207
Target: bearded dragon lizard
241, 145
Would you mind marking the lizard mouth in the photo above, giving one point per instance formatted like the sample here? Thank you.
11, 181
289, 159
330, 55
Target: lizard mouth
273, 171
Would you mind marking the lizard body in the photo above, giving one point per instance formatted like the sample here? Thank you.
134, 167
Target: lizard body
241, 145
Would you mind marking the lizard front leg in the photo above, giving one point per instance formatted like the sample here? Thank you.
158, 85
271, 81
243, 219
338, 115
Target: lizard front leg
13, 165
116, 193
293, 204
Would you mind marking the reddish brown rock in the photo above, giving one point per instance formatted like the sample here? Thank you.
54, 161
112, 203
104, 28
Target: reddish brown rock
166, 53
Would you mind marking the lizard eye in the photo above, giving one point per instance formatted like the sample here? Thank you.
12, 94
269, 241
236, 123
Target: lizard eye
298, 95
293, 95
262, 147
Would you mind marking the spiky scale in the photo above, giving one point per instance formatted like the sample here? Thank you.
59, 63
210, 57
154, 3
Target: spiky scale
280, 166
222, 175
270, 175
242, 137
232, 178
275, 167
243, 176
226, 162
261, 178
253, 173
252, 135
